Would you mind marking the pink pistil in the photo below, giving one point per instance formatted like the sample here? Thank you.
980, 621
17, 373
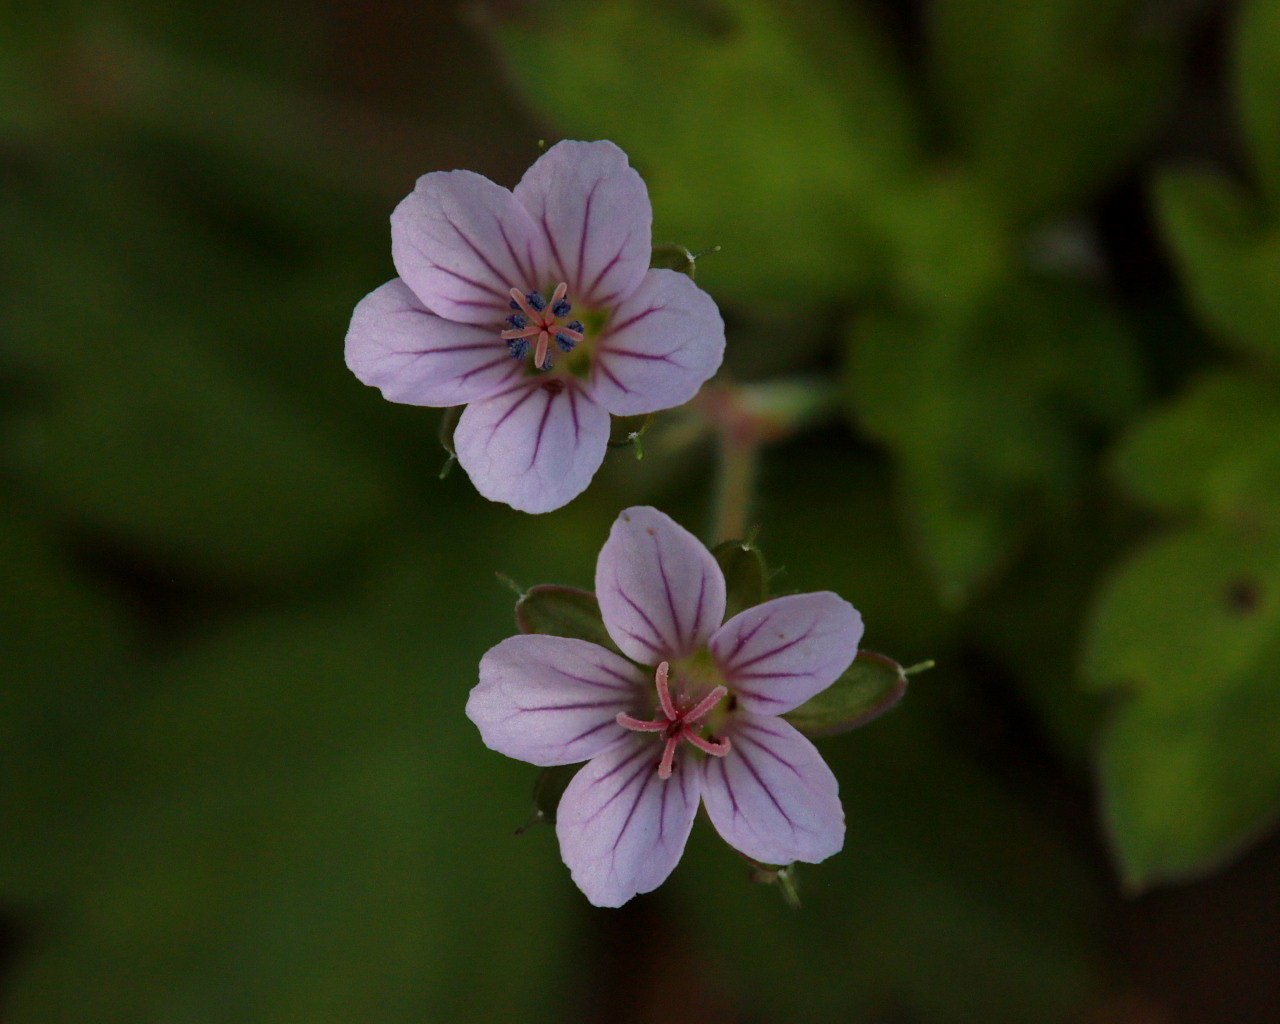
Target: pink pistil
543, 325
678, 724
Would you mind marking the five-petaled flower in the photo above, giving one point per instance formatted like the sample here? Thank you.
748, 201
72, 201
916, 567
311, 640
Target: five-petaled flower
536, 308
692, 716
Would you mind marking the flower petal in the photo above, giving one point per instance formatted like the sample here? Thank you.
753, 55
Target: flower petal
396, 344
551, 699
535, 446
777, 655
664, 341
594, 209
462, 243
661, 592
772, 796
622, 829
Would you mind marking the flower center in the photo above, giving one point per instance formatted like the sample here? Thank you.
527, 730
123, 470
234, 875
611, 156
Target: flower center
537, 322
678, 722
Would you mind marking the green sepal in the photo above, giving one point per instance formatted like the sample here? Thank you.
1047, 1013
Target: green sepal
548, 788
781, 875
673, 257
562, 611
869, 687
625, 431
449, 424
746, 579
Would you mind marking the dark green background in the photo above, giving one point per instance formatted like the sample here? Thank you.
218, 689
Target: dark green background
1038, 247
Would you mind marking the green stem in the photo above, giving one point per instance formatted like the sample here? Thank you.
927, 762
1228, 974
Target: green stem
738, 464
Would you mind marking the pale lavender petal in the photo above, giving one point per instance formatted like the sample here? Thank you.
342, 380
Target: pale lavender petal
594, 209
552, 699
661, 592
662, 343
777, 655
622, 829
535, 446
396, 344
462, 243
772, 796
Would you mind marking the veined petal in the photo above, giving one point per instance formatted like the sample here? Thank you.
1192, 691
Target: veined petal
399, 346
772, 796
622, 829
663, 342
552, 699
661, 592
535, 445
777, 655
462, 243
594, 209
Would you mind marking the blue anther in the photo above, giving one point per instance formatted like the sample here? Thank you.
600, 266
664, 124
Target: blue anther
547, 363
519, 347
576, 325
518, 321
513, 304
565, 342
561, 308
537, 301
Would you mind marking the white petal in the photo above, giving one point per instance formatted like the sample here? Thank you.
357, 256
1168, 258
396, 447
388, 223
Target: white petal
772, 796
534, 447
462, 243
777, 655
396, 344
662, 343
595, 212
552, 699
622, 829
661, 592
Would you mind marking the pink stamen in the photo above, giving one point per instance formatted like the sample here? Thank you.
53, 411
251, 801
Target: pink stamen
716, 748
558, 294
540, 355
677, 725
523, 303
519, 332
664, 691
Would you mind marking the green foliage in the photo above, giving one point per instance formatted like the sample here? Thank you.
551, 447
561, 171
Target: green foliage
989, 413
1037, 130
1188, 630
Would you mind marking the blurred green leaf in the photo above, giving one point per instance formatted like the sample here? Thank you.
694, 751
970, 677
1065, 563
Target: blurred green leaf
989, 413
745, 577
1228, 255
562, 611
812, 126
1257, 84
869, 687
1189, 630
1214, 449
1034, 125
302, 825
1186, 788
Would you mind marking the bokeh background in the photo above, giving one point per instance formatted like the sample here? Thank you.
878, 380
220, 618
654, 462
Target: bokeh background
1036, 246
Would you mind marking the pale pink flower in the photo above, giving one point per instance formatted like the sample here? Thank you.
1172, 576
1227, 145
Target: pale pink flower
536, 309
691, 717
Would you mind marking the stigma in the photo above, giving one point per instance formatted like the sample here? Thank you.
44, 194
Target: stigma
678, 722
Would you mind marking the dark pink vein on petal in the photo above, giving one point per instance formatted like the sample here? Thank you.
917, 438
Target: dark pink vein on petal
642, 752
551, 241
507, 415
462, 277
776, 650
671, 599
479, 255
657, 633
542, 426
744, 639
759, 781
586, 224
515, 260
609, 266
634, 320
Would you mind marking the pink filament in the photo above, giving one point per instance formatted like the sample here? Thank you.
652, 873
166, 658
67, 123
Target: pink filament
677, 725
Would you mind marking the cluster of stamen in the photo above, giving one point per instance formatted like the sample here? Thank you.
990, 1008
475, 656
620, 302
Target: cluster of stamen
678, 723
536, 322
